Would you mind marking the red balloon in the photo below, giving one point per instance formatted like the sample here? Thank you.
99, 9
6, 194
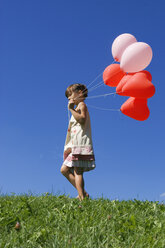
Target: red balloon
136, 108
121, 84
112, 75
148, 75
139, 86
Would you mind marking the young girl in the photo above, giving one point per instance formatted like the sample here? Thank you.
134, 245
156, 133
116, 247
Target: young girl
78, 149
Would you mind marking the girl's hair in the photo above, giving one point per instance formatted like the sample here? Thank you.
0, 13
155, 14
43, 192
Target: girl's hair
76, 87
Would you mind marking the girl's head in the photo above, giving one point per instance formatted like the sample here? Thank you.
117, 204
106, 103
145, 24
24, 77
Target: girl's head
77, 92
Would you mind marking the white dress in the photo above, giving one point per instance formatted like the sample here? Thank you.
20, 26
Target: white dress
78, 149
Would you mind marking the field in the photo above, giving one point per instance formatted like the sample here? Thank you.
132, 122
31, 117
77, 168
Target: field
48, 221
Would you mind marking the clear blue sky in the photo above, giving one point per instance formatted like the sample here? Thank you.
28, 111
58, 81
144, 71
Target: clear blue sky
44, 47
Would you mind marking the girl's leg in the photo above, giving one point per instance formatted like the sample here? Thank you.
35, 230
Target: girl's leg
65, 170
79, 182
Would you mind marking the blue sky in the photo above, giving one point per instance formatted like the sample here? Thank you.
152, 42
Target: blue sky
44, 47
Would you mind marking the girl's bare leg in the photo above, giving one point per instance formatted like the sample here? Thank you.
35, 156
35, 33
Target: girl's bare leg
79, 181
68, 174
71, 178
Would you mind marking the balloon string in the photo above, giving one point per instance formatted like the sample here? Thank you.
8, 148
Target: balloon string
96, 86
88, 86
113, 93
94, 80
103, 108
90, 97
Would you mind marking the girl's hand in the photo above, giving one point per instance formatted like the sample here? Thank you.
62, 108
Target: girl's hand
71, 104
80, 112
66, 153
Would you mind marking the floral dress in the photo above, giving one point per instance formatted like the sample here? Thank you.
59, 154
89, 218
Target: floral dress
78, 149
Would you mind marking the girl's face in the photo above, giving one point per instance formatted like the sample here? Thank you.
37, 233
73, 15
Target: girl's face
77, 96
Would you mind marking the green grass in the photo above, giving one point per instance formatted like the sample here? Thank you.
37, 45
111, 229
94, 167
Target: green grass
58, 221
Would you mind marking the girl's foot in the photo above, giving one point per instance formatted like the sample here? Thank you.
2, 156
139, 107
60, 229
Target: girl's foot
86, 195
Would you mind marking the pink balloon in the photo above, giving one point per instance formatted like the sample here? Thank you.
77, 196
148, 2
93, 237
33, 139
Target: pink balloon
136, 57
120, 44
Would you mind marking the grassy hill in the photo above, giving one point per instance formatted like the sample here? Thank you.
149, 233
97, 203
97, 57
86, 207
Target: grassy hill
59, 222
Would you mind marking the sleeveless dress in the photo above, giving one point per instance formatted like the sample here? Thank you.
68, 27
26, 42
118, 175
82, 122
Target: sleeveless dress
78, 149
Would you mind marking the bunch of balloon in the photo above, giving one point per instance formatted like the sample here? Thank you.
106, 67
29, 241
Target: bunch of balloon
129, 76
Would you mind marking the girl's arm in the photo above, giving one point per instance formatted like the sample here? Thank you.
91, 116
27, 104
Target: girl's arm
80, 117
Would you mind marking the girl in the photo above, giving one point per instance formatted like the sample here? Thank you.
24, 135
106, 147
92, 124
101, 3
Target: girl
78, 149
